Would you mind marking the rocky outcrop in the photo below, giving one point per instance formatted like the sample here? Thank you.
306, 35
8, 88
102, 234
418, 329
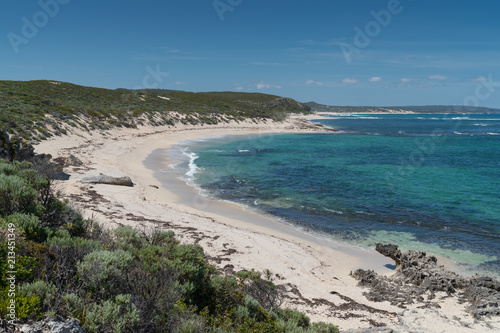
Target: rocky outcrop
108, 180
484, 295
69, 161
57, 325
418, 278
390, 251
15, 148
72, 160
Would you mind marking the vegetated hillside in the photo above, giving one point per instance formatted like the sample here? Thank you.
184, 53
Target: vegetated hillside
315, 107
38, 109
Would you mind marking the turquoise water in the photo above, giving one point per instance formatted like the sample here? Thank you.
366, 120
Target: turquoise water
427, 182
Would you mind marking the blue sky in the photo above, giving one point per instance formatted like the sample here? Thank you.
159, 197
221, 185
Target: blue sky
417, 52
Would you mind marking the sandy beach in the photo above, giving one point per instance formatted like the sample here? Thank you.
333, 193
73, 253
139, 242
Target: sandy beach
314, 271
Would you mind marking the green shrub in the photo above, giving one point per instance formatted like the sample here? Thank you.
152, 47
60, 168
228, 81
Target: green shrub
27, 307
28, 225
127, 239
4, 264
46, 293
7, 169
113, 316
163, 238
298, 318
262, 289
67, 253
283, 326
321, 327
58, 214
252, 305
194, 274
242, 311
191, 325
102, 272
75, 305
16, 196
155, 295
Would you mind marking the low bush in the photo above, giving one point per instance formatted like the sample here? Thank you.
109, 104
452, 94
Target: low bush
28, 225
16, 196
102, 273
45, 292
112, 316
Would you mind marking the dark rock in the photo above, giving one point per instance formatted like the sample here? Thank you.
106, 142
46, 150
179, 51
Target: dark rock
73, 161
63, 162
108, 180
14, 148
390, 251
419, 277
366, 278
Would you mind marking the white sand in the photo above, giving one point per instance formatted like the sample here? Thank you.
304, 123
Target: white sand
315, 271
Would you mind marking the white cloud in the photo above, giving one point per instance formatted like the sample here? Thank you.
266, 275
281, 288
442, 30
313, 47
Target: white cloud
239, 88
265, 85
480, 79
405, 80
375, 79
179, 83
438, 77
311, 82
349, 81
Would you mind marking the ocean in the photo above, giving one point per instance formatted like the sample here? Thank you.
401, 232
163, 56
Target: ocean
423, 182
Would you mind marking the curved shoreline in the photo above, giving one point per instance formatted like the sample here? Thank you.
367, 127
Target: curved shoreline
316, 277
185, 191
189, 196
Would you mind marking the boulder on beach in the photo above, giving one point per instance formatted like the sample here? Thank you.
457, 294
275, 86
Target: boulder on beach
108, 180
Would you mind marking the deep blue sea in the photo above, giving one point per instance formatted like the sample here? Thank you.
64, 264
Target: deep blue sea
424, 182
